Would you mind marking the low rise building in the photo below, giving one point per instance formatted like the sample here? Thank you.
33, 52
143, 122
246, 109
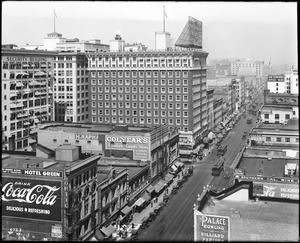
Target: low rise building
60, 202
153, 145
260, 205
275, 134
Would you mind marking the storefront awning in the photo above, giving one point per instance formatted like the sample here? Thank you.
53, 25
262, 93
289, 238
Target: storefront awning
150, 189
169, 177
99, 235
108, 230
206, 140
184, 151
174, 168
146, 197
126, 210
179, 164
159, 186
139, 202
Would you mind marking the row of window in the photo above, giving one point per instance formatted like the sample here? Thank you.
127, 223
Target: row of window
25, 65
141, 74
140, 113
281, 139
149, 105
141, 82
135, 97
135, 120
277, 116
150, 90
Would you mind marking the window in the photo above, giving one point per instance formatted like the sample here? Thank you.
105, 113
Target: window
287, 116
287, 140
266, 116
268, 139
278, 139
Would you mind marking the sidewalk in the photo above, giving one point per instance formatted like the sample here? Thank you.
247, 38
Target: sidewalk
137, 217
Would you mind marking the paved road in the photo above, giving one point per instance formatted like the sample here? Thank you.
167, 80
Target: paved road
175, 222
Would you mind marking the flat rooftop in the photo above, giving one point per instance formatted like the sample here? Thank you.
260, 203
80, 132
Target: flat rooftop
275, 166
99, 128
258, 221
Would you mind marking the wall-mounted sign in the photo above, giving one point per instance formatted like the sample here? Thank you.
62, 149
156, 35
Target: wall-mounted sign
30, 172
86, 136
140, 145
211, 227
276, 190
30, 198
25, 59
268, 178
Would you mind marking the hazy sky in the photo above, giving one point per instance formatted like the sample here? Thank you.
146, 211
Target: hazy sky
257, 30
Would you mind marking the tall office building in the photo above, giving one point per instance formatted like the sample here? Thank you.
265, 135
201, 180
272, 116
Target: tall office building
71, 87
152, 87
26, 95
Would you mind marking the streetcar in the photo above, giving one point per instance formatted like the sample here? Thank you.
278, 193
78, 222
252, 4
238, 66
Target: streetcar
218, 168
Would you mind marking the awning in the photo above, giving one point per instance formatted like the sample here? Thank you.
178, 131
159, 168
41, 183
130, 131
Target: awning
40, 73
30, 140
108, 230
139, 202
179, 164
150, 189
184, 151
19, 85
159, 186
146, 197
126, 210
26, 123
99, 236
206, 140
211, 135
168, 177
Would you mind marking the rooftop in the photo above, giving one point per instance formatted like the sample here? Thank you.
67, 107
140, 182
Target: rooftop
258, 221
274, 167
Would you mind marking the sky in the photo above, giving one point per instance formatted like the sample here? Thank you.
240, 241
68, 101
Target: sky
264, 31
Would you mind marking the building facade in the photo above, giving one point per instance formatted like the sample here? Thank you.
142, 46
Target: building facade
61, 201
27, 96
291, 81
71, 87
251, 66
279, 107
276, 83
149, 88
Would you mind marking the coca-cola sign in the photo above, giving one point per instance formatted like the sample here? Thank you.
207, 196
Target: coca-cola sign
30, 198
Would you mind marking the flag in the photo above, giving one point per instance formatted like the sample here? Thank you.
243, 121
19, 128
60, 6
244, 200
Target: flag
55, 14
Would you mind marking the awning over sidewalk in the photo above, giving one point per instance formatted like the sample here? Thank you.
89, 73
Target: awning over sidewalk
139, 202
99, 235
185, 151
169, 176
179, 164
107, 230
126, 210
159, 186
150, 189
146, 197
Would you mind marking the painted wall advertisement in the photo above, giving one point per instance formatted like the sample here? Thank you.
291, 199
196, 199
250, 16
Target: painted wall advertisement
211, 227
276, 190
140, 145
31, 198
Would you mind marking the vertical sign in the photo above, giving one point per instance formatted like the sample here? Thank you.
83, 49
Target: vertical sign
211, 227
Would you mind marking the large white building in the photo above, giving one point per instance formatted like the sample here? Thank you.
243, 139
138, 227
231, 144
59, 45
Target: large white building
246, 67
284, 83
26, 95
291, 81
163, 40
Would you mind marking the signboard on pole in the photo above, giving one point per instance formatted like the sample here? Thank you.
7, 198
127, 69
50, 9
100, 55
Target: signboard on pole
211, 227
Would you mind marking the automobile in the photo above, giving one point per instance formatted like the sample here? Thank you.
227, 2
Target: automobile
245, 135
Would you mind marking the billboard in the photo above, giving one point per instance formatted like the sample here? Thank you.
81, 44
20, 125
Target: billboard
211, 227
276, 190
140, 145
31, 198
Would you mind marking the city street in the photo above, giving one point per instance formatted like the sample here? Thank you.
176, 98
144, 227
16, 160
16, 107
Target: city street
175, 222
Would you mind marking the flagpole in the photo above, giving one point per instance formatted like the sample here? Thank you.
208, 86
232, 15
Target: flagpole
54, 19
164, 18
